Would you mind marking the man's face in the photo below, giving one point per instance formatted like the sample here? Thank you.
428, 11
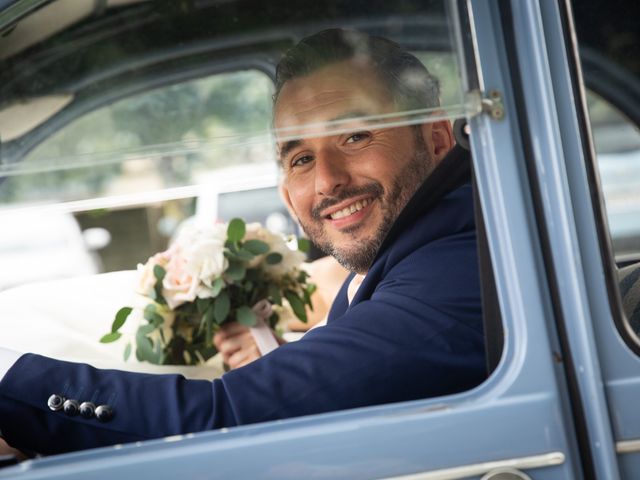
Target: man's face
347, 189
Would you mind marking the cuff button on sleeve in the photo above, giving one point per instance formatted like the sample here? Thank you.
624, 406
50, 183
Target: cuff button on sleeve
87, 409
71, 407
55, 402
104, 413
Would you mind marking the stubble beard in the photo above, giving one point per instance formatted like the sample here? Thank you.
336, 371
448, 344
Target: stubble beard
360, 257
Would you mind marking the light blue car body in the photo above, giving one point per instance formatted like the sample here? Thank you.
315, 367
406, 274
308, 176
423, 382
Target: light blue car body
549, 271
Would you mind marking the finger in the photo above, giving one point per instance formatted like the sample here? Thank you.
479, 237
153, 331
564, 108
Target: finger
237, 343
230, 346
233, 328
228, 331
244, 357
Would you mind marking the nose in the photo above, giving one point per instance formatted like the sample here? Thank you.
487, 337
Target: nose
331, 172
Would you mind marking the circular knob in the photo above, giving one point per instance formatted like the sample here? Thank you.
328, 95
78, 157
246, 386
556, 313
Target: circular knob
55, 402
71, 407
87, 409
104, 413
506, 474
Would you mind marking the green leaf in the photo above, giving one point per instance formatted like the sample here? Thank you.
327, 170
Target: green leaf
273, 321
254, 275
110, 337
273, 258
144, 346
208, 331
217, 286
151, 308
159, 272
311, 288
304, 245
156, 320
202, 304
158, 356
146, 329
127, 352
274, 294
152, 316
257, 247
236, 271
208, 352
302, 276
297, 305
245, 255
307, 298
246, 316
221, 307
121, 317
207, 318
236, 230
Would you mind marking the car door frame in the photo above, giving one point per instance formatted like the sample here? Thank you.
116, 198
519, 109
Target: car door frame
526, 414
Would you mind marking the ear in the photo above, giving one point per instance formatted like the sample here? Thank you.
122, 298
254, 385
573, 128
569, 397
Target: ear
286, 198
438, 138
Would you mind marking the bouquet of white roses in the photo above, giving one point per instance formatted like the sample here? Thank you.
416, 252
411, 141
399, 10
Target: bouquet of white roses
211, 275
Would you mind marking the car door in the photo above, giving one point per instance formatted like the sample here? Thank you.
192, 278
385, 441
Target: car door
530, 416
608, 225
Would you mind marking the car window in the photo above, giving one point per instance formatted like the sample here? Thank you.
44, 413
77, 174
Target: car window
140, 120
609, 55
144, 154
164, 133
162, 138
617, 144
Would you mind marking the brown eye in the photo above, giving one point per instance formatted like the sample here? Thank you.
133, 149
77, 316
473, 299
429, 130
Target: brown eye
357, 137
303, 160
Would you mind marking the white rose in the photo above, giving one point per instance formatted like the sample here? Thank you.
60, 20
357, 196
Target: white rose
291, 259
199, 259
205, 256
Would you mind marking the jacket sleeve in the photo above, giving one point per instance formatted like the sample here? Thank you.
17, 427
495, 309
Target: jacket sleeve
143, 406
418, 335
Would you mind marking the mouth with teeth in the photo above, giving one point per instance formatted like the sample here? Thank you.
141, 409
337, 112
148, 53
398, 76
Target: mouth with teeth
350, 209
352, 215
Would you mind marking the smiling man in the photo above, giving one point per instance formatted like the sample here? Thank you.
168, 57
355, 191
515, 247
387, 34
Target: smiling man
390, 202
347, 189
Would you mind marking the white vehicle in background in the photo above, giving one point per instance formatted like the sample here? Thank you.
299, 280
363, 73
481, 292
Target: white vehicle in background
46, 244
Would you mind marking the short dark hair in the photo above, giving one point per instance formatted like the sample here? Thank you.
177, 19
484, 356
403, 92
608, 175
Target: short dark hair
410, 84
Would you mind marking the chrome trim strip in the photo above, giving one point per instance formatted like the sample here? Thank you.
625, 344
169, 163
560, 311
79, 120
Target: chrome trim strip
535, 461
628, 446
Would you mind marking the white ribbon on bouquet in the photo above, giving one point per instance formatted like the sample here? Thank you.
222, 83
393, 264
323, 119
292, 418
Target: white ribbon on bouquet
262, 334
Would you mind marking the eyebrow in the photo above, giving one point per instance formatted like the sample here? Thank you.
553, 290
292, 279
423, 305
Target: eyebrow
287, 147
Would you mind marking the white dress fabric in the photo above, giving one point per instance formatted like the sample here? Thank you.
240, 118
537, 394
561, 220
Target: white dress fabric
65, 319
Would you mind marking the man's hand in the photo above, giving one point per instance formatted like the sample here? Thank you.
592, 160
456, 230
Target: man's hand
5, 449
236, 344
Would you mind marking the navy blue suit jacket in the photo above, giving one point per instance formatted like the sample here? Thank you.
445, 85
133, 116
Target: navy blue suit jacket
413, 330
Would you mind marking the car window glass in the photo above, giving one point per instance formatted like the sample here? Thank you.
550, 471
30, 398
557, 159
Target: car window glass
617, 144
125, 126
609, 49
134, 130
167, 137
